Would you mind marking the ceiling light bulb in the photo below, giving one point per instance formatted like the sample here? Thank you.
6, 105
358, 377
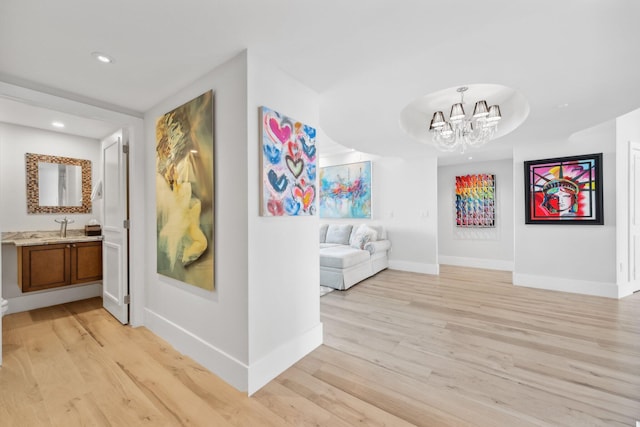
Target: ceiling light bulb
57, 124
105, 59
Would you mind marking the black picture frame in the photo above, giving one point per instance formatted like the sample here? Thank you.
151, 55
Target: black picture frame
564, 190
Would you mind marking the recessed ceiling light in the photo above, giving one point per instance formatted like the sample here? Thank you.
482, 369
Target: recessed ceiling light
105, 59
57, 124
565, 105
470, 157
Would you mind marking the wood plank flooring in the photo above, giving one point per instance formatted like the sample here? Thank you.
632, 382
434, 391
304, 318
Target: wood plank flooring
465, 348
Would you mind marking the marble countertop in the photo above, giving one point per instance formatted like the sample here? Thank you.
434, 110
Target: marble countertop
32, 238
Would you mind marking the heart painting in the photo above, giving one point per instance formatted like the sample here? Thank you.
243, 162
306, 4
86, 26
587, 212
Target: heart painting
288, 163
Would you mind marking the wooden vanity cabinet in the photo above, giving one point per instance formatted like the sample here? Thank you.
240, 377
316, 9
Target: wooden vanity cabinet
50, 266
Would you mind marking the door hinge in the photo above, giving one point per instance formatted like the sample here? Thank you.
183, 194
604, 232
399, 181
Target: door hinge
126, 223
127, 299
125, 148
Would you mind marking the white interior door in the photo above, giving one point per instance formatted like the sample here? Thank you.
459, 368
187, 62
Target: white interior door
634, 215
115, 245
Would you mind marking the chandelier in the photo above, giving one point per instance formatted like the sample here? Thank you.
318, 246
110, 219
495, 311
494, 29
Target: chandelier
462, 132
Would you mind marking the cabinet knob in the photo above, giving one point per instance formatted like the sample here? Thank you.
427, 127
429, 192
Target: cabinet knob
68, 246
74, 245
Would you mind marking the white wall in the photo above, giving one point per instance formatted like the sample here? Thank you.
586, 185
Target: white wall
405, 202
483, 248
211, 327
264, 312
573, 258
284, 269
15, 141
627, 130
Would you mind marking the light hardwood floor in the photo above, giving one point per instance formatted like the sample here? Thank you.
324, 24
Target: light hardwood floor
465, 348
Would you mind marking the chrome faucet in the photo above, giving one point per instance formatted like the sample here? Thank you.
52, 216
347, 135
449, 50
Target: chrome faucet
63, 225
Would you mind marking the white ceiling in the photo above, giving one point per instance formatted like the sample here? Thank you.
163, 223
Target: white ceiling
368, 59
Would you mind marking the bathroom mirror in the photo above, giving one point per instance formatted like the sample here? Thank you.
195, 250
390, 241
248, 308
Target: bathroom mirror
58, 184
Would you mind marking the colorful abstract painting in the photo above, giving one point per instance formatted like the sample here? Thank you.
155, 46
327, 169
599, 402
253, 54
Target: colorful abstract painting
345, 191
564, 190
476, 201
184, 192
288, 164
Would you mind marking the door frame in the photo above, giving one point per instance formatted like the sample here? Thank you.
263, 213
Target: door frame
624, 211
133, 122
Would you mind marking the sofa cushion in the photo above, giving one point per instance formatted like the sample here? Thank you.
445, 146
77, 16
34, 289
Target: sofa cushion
328, 245
342, 256
323, 232
359, 240
338, 233
363, 235
380, 233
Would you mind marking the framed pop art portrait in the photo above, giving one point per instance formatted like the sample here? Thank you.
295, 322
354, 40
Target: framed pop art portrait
564, 190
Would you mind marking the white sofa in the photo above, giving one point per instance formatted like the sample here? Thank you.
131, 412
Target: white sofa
351, 253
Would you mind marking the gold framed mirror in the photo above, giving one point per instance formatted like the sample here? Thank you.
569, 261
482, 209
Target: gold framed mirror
58, 184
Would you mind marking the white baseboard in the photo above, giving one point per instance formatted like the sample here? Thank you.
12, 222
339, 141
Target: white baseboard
600, 289
55, 296
414, 267
215, 360
490, 264
282, 358
626, 289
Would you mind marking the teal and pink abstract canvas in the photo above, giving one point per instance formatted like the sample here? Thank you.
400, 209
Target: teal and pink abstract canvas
288, 165
345, 191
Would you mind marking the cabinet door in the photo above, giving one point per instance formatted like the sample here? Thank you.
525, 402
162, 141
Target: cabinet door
44, 266
86, 262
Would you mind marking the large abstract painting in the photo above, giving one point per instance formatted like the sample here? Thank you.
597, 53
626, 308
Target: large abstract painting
475, 201
564, 190
288, 165
345, 191
184, 192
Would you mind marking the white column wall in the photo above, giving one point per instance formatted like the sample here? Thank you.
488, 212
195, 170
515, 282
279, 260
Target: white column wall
572, 258
210, 327
283, 252
483, 248
264, 312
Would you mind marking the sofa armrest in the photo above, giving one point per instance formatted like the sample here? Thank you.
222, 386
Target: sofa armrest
378, 246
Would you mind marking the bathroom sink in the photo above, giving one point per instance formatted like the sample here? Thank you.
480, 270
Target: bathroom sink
54, 239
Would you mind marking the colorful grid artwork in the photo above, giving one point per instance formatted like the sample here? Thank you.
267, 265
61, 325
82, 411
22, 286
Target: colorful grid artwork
288, 164
564, 190
475, 201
